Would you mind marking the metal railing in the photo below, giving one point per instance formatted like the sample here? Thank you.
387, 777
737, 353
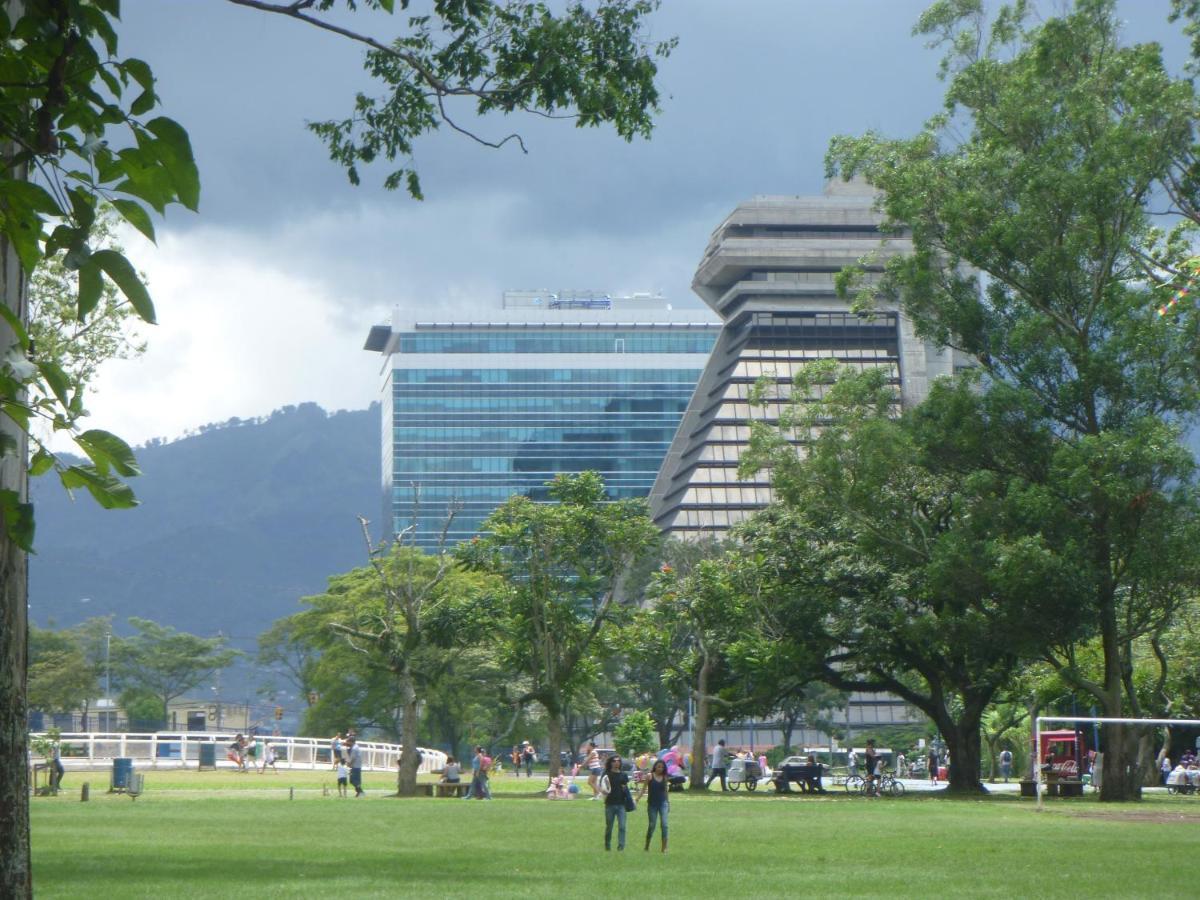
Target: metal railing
181, 749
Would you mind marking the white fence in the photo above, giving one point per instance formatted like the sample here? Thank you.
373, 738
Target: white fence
174, 749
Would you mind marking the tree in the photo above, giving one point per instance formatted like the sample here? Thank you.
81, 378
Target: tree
60, 678
166, 663
66, 102
698, 617
895, 573
561, 565
590, 65
82, 345
1028, 202
288, 644
403, 613
636, 734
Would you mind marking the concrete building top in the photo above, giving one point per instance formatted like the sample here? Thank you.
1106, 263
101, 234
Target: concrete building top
517, 312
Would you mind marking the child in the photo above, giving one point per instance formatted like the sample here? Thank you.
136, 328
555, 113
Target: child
343, 776
268, 759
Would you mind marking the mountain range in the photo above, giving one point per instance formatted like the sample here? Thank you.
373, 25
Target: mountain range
237, 521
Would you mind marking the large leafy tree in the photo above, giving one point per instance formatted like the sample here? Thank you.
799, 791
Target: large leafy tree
406, 614
697, 619
561, 564
165, 663
1029, 206
78, 125
895, 572
60, 678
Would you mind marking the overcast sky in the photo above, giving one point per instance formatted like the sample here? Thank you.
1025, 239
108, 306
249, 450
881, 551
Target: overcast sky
265, 297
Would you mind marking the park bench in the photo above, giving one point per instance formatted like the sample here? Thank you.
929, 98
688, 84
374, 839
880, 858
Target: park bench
806, 776
445, 789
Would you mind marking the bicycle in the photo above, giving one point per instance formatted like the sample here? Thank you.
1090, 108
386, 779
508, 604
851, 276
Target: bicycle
886, 784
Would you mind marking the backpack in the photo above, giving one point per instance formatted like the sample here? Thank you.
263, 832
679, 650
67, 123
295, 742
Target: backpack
486, 763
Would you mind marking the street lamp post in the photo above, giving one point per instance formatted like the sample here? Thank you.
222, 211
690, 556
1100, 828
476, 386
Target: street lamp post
107, 683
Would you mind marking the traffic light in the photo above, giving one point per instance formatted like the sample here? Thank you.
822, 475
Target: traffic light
279, 712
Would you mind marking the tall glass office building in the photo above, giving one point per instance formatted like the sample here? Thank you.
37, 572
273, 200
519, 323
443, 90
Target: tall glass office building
494, 402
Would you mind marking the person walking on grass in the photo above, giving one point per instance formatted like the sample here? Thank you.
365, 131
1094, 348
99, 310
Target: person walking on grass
353, 757
530, 757
480, 764
268, 758
718, 765
614, 788
595, 769
657, 807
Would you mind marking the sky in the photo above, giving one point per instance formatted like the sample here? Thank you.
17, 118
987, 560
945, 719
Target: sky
265, 296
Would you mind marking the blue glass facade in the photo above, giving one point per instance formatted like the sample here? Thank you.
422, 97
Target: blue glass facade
569, 342
476, 435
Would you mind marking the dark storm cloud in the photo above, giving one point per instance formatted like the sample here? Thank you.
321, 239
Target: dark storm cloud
751, 98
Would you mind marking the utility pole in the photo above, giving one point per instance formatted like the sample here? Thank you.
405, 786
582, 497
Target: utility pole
217, 689
107, 681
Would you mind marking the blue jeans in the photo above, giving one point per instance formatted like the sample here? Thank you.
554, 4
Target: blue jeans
614, 811
658, 813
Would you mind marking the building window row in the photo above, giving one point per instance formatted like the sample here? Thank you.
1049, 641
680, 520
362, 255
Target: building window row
590, 342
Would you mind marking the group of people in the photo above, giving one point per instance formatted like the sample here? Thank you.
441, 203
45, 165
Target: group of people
614, 787
1185, 775
346, 757
523, 755
243, 753
481, 765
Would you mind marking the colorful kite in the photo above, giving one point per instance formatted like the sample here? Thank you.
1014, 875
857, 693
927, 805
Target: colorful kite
1194, 265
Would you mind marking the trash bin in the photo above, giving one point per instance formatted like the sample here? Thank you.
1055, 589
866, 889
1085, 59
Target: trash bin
121, 770
943, 773
208, 756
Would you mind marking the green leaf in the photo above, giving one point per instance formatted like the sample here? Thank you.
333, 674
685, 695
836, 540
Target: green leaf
18, 519
122, 272
105, 449
29, 196
108, 491
177, 159
135, 214
14, 322
41, 463
57, 380
143, 103
140, 72
91, 286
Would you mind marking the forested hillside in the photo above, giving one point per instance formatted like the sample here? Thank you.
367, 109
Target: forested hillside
236, 523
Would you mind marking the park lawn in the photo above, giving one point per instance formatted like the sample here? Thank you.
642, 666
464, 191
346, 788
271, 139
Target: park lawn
233, 841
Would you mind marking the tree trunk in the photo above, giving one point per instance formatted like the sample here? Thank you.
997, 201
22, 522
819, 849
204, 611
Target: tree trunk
1121, 779
554, 739
1147, 759
787, 725
410, 756
15, 873
700, 728
963, 741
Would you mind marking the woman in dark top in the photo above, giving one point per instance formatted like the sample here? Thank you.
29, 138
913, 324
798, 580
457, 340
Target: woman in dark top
656, 785
614, 787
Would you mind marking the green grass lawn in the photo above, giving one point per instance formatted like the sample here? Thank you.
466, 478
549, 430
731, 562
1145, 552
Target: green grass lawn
229, 835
